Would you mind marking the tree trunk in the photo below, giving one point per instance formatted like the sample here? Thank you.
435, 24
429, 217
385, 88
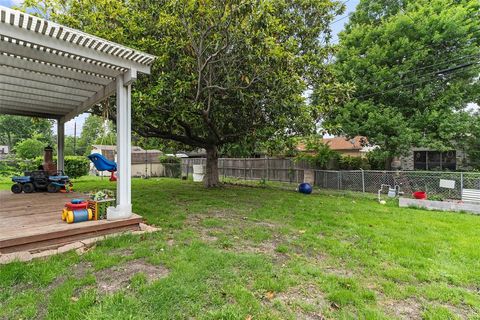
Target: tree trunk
211, 174
388, 163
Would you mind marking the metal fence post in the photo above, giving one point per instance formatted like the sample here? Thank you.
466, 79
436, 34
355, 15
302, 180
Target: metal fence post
461, 184
363, 181
244, 168
338, 180
223, 168
265, 169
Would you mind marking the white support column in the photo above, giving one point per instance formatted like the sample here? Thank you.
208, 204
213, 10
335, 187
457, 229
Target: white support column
60, 145
124, 203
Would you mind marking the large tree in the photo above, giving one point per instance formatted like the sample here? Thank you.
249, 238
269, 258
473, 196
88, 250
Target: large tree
14, 129
414, 66
228, 71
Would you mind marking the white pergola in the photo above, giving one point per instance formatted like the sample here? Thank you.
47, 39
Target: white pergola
51, 71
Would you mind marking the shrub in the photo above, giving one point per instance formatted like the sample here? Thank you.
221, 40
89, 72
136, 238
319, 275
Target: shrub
169, 159
29, 148
353, 163
30, 164
377, 159
8, 169
76, 166
172, 166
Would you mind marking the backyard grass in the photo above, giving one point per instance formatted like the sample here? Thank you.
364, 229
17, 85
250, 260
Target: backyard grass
258, 253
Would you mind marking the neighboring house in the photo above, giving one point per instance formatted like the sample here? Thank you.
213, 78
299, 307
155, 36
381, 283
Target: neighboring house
3, 151
356, 147
144, 162
417, 158
433, 160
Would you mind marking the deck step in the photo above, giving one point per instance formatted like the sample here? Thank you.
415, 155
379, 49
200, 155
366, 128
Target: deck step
80, 231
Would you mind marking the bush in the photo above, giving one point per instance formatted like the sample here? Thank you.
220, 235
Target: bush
169, 159
76, 166
172, 166
353, 163
377, 159
8, 168
29, 148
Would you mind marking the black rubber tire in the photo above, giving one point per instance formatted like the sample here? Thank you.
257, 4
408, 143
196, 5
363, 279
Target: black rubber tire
28, 188
52, 188
17, 188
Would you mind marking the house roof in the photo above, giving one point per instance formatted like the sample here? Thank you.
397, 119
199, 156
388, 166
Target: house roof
52, 71
340, 143
135, 149
104, 147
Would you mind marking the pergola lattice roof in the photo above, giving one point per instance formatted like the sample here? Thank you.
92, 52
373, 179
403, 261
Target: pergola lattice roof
52, 71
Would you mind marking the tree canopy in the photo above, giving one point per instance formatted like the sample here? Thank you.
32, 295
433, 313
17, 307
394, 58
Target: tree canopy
14, 129
29, 148
414, 68
228, 71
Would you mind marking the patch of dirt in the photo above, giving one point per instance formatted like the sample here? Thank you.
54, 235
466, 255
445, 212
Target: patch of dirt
403, 309
296, 297
463, 311
231, 221
124, 252
118, 277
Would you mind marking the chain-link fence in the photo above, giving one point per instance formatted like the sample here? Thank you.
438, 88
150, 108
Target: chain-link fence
440, 184
448, 185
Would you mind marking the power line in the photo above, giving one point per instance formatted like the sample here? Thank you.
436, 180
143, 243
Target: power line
411, 83
422, 78
443, 62
340, 19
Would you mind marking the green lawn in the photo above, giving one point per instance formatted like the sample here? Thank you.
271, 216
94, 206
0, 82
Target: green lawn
258, 253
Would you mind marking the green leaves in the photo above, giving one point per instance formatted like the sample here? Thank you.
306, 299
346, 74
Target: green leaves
412, 64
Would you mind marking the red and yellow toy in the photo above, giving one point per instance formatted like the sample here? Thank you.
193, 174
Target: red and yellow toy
77, 211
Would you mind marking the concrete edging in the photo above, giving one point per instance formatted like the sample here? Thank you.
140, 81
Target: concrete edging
455, 206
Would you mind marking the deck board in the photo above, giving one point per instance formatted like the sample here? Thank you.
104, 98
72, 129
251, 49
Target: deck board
33, 221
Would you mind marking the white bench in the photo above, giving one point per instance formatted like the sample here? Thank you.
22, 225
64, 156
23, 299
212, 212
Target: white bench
471, 195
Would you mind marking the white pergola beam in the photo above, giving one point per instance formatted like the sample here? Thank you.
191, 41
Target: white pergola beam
45, 40
25, 102
33, 98
35, 114
47, 79
25, 64
45, 87
99, 96
47, 92
9, 90
40, 55
58, 112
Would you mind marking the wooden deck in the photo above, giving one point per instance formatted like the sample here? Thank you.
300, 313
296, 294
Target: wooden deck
32, 222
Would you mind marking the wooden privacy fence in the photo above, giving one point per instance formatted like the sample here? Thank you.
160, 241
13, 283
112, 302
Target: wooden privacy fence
270, 169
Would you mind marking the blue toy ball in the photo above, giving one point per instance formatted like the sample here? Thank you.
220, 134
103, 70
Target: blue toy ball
305, 188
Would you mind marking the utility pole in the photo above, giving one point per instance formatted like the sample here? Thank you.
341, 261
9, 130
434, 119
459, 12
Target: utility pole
74, 138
